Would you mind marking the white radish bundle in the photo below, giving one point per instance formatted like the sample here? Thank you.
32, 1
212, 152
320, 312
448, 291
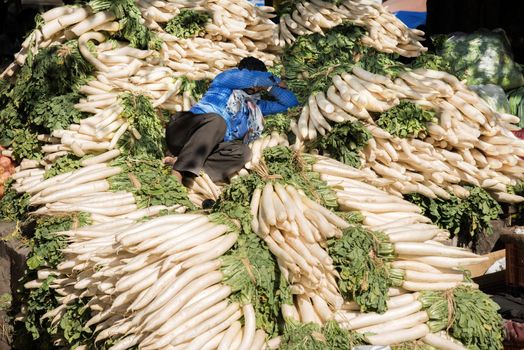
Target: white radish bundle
172, 300
385, 32
293, 232
434, 166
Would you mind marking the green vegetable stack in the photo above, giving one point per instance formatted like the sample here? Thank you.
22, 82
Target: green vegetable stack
187, 24
406, 120
361, 257
465, 218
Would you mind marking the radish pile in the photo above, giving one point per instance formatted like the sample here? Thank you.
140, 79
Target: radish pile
169, 284
297, 233
386, 32
159, 276
470, 144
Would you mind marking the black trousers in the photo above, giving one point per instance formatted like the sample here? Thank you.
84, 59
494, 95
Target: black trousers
197, 142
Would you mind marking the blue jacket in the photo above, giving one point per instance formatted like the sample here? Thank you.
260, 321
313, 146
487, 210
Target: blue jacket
216, 98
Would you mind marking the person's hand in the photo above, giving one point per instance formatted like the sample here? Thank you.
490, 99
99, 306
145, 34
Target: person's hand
282, 84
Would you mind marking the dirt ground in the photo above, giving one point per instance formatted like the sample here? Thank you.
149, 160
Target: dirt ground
12, 262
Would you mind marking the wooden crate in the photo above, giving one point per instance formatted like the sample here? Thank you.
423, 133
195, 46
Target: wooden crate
514, 261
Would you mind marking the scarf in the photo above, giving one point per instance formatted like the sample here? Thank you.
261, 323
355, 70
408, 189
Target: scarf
241, 103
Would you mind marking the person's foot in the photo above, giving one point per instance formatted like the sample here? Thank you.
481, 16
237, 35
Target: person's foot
170, 161
178, 175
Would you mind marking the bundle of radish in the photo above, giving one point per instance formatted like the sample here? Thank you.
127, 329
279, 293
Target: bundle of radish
416, 165
241, 23
170, 285
202, 188
386, 32
424, 316
310, 336
244, 25
293, 233
468, 315
141, 276
259, 145
401, 221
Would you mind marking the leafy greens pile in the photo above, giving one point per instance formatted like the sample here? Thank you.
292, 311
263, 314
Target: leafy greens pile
13, 205
253, 274
46, 251
431, 61
480, 58
463, 217
310, 336
150, 181
281, 122
343, 143
360, 257
406, 120
42, 97
46, 245
64, 164
131, 22
140, 114
469, 315
188, 24
312, 61
516, 104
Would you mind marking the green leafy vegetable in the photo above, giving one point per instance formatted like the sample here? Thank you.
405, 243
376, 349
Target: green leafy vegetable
25, 144
150, 181
46, 251
131, 22
236, 199
312, 61
406, 120
281, 122
300, 336
469, 315
249, 268
188, 24
413, 345
62, 165
57, 112
518, 189
381, 63
140, 114
343, 143
516, 104
295, 169
276, 69
360, 257
71, 325
13, 205
38, 302
480, 58
252, 273
195, 88
46, 245
463, 217
431, 61
288, 6
42, 97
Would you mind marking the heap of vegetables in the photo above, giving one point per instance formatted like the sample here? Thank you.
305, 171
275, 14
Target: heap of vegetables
301, 250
